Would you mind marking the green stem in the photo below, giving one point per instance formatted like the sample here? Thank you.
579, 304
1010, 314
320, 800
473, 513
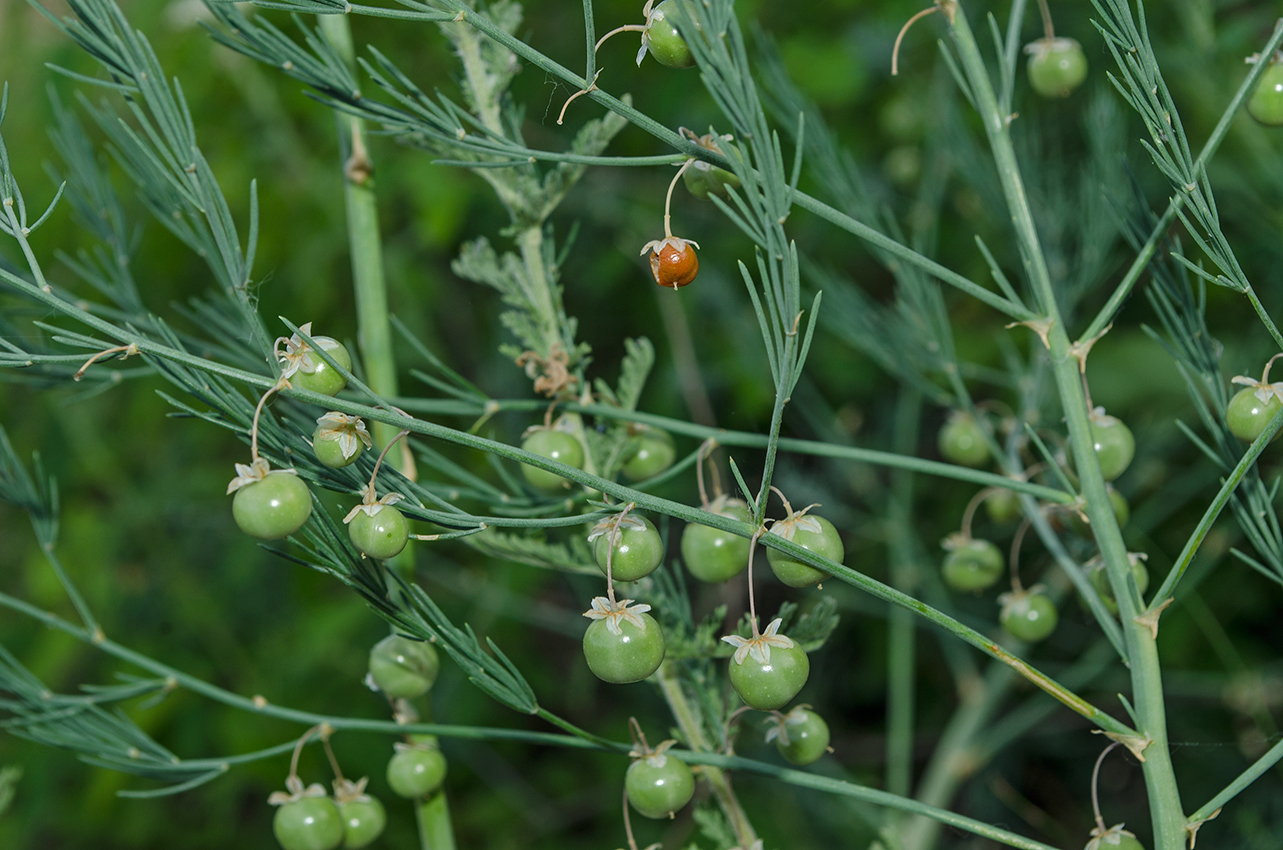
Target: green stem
645, 501
902, 632
956, 756
1147, 689
260, 706
1246, 778
1214, 509
374, 332
718, 780
433, 818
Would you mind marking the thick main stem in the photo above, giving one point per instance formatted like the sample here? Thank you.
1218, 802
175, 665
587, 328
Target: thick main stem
1147, 689
716, 777
902, 629
374, 331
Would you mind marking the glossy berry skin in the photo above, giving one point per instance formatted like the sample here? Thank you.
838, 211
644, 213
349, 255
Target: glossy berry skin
627, 657
323, 379
1266, 103
381, 536
673, 262
363, 821
1057, 66
1113, 443
1247, 415
662, 39
962, 441
713, 555
403, 668
1100, 581
648, 453
416, 772
972, 566
554, 445
638, 553
309, 823
659, 785
1003, 506
807, 740
330, 453
274, 507
1028, 616
773, 684
826, 542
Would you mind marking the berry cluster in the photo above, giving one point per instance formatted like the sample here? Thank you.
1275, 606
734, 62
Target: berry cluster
972, 564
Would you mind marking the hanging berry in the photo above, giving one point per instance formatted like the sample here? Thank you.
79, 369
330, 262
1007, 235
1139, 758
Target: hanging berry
1266, 103
305, 369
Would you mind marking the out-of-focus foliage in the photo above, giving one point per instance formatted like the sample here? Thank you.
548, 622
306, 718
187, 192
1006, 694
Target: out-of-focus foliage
147, 530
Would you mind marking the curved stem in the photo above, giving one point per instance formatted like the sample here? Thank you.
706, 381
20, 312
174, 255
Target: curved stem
1048, 31
668, 199
1017, 539
895, 51
617, 31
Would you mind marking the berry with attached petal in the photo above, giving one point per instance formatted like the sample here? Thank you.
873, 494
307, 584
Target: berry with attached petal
622, 644
1057, 66
1252, 408
658, 784
767, 670
1028, 615
363, 815
269, 503
1100, 580
662, 40
376, 528
814, 534
673, 261
305, 369
703, 179
631, 542
339, 439
306, 819
1113, 838
801, 736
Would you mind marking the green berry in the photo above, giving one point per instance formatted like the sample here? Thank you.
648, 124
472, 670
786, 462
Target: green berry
1057, 66
416, 771
308, 823
962, 441
554, 445
813, 533
702, 179
713, 555
765, 674
661, 38
801, 736
1113, 443
1247, 415
972, 565
631, 655
275, 506
321, 377
637, 548
658, 785
363, 821
1266, 103
1003, 506
648, 453
1028, 615
403, 668
382, 534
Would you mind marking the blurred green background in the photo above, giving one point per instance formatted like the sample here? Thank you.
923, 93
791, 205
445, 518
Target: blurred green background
147, 533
